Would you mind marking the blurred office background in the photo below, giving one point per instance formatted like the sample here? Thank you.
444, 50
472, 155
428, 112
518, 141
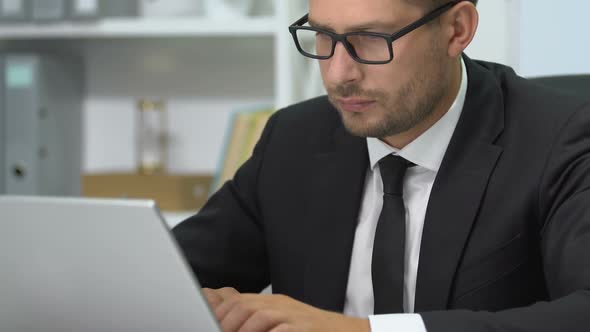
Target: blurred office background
147, 98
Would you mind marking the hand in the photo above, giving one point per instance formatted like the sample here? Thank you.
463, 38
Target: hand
275, 313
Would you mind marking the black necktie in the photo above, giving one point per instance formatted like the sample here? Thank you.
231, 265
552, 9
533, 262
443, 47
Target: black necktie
387, 267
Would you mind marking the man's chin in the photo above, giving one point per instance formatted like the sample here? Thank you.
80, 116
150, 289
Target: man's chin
357, 126
362, 126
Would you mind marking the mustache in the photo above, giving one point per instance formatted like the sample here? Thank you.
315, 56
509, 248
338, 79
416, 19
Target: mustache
353, 90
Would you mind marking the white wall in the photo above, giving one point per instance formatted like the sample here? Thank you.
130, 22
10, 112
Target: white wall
535, 37
554, 37
495, 37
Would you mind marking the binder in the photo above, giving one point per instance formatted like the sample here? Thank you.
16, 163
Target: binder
22, 125
2, 130
42, 125
84, 9
172, 8
120, 8
13, 10
95, 9
48, 10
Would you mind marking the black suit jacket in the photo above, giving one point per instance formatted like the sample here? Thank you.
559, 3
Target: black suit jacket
506, 240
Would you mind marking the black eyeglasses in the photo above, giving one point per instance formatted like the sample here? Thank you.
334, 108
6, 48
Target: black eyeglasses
366, 47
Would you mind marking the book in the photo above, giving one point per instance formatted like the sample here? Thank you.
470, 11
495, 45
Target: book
245, 130
257, 124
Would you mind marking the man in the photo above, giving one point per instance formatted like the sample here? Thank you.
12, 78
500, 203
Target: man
430, 192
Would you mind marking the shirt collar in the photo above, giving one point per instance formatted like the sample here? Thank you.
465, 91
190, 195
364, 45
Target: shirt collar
429, 148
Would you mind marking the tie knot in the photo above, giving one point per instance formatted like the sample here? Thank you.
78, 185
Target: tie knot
393, 168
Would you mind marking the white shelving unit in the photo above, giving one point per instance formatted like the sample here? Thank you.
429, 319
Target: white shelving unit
205, 69
142, 28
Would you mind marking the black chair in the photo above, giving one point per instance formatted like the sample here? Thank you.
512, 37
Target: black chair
576, 84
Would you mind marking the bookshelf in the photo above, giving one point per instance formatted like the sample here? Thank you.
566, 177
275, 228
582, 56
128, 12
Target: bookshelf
204, 68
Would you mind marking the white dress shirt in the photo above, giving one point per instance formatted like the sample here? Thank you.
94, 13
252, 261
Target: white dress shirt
427, 152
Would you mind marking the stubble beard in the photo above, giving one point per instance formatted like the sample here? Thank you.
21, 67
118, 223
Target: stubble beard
411, 105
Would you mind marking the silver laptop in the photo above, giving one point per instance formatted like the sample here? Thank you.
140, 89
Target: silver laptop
94, 265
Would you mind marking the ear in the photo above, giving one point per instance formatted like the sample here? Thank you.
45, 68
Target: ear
460, 25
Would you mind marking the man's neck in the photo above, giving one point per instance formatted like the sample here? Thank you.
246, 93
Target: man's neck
399, 141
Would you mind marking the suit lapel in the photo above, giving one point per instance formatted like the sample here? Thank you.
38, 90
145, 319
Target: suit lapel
336, 190
459, 189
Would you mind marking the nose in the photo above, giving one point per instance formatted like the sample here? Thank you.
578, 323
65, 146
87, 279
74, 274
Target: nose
341, 67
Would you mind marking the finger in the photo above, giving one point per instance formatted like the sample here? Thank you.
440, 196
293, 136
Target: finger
284, 327
262, 321
237, 314
226, 307
213, 297
233, 298
227, 292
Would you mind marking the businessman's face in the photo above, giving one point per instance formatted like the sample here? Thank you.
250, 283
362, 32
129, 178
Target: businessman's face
384, 100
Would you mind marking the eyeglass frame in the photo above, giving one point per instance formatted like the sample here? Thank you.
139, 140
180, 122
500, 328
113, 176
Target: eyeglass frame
390, 38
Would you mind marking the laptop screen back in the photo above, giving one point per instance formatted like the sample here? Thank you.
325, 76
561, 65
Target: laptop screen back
94, 265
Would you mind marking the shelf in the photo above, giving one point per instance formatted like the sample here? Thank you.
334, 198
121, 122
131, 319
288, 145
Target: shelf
141, 28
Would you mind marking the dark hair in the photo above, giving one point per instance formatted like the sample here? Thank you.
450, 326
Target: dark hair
442, 2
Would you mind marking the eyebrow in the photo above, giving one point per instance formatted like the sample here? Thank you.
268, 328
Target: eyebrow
375, 25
